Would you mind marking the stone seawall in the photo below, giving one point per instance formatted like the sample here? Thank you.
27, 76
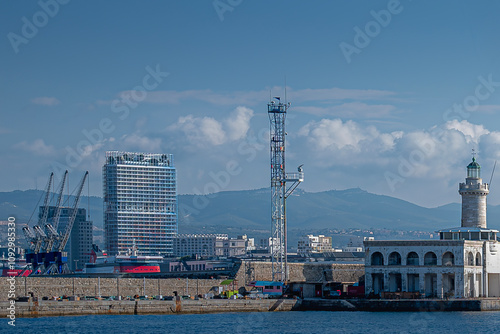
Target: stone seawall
70, 308
249, 271
403, 305
67, 308
77, 286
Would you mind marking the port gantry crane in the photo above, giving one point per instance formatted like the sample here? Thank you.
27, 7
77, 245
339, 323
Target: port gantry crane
58, 265
30, 238
48, 239
50, 229
35, 237
279, 188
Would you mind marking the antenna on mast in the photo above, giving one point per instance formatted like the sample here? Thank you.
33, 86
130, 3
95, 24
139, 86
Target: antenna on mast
492, 172
286, 101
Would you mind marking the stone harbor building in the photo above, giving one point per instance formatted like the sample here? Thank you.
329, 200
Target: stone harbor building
464, 263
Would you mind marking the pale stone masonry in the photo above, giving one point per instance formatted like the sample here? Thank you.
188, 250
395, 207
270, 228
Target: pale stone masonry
249, 271
464, 263
474, 193
440, 268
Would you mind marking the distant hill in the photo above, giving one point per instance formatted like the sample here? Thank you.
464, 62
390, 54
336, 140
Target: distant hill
248, 211
25, 204
334, 209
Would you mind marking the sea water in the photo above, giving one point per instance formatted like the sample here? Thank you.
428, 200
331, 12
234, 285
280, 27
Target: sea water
265, 323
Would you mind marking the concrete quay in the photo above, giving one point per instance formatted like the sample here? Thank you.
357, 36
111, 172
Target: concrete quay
400, 305
44, 308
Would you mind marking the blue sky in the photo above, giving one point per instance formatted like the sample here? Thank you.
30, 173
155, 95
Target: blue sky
381, 118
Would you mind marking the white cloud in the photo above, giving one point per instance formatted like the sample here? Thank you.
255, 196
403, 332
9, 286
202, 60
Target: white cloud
401, 164
349, 110
488, 108
340, 94
37, 147
46, 101
228, 98
471, 131
262, 96
489, 145
141, 143
200, 130
436, 153
203, 131
332, 135
238, 124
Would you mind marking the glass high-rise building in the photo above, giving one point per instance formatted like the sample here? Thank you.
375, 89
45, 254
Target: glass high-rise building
140, 202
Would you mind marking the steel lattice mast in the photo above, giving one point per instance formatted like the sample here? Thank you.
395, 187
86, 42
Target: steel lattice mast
279, 191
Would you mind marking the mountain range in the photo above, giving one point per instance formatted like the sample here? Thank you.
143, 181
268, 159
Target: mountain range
248, 212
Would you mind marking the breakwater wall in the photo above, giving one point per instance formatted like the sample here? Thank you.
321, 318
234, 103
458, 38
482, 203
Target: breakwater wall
44, 308
402, 305
248, 271
76, 286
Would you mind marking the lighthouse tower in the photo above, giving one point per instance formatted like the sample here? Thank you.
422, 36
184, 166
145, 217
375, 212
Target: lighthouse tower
474, 193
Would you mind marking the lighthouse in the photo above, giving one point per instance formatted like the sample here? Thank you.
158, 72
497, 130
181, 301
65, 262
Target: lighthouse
474, 193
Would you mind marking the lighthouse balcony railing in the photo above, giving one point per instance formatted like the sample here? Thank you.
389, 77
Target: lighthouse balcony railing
474, 186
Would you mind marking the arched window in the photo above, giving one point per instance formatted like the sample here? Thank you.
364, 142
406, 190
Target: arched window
377, 259
430, 259
478, 259
412, 259
394, 259
470, 259
448, 259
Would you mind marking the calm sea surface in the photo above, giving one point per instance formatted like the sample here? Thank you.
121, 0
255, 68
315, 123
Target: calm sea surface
266, 323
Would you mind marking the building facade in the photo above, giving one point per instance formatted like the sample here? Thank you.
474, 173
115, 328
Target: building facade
197, 245
267, 243
464, 263
232, 248
209, 245
314, 244
140, 202
80, 241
